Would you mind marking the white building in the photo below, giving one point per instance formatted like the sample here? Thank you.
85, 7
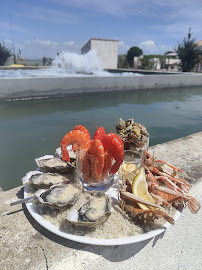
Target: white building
156, 64
173, 64
137, 63
106, 49
199, 67
199, 43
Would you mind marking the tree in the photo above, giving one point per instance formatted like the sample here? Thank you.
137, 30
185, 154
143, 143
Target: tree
188, 52
5, 53
146, 62
132, 52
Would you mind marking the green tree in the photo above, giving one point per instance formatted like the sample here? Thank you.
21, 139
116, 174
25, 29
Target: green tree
132, 52
146, 62
188, 52
5, 53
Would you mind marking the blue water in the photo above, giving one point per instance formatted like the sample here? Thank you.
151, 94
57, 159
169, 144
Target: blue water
33, 128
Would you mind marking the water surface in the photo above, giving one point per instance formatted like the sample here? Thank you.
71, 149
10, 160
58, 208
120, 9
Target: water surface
33, 128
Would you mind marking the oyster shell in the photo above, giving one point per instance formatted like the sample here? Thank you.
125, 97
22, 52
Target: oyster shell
92, 213
72, 155
59, 196
40, 178
49, 163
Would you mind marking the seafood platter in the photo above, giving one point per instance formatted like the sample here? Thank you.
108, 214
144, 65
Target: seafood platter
90, 192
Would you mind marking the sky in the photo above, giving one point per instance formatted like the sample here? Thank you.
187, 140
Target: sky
44, 27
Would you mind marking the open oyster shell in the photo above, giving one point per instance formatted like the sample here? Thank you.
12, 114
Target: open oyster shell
60, 195
43, 179
93, 212
72, 155
49, 163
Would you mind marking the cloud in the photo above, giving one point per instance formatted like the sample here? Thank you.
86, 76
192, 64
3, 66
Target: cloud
4, 26
149, 47
171, 8
174, 17
123, 48
47, 14
147, 43
37, 49
112, 7
69, 43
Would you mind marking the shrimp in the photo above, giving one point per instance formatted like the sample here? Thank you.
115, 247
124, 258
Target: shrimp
83, 129
108, 161
80, 139
113, 145
96, 152
100, 133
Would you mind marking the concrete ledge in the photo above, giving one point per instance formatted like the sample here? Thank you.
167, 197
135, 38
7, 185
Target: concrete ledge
25, 67
24, 244
28, 87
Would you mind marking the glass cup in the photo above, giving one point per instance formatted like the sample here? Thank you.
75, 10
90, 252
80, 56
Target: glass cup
132, 162
140, 145
93, 171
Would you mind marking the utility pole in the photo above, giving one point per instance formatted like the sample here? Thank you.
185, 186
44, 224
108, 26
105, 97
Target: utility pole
14, 56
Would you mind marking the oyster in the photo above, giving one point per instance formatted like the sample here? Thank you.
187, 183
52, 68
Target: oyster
72, 155
40, 178
91, 213
60, 195
49, 163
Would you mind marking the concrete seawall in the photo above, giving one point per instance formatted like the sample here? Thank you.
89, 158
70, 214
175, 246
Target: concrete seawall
24, 244
28, 87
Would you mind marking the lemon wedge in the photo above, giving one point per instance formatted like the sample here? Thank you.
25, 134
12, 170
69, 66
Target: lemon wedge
140, 189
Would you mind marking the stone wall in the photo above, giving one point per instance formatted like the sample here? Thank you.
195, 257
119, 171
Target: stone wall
28, 87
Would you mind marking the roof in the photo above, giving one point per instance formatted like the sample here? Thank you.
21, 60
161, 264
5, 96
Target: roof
171, 54
104, 39
101, 39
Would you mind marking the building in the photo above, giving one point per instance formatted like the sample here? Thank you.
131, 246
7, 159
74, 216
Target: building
172, 61
199, 43
172, 64
106, 50
199, 66
156, 64
137, 63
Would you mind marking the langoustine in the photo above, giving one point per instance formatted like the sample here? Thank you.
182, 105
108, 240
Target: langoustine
130, 204
171, 196
168, 196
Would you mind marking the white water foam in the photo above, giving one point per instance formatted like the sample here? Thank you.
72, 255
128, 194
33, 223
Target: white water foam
76, 63
67, 64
